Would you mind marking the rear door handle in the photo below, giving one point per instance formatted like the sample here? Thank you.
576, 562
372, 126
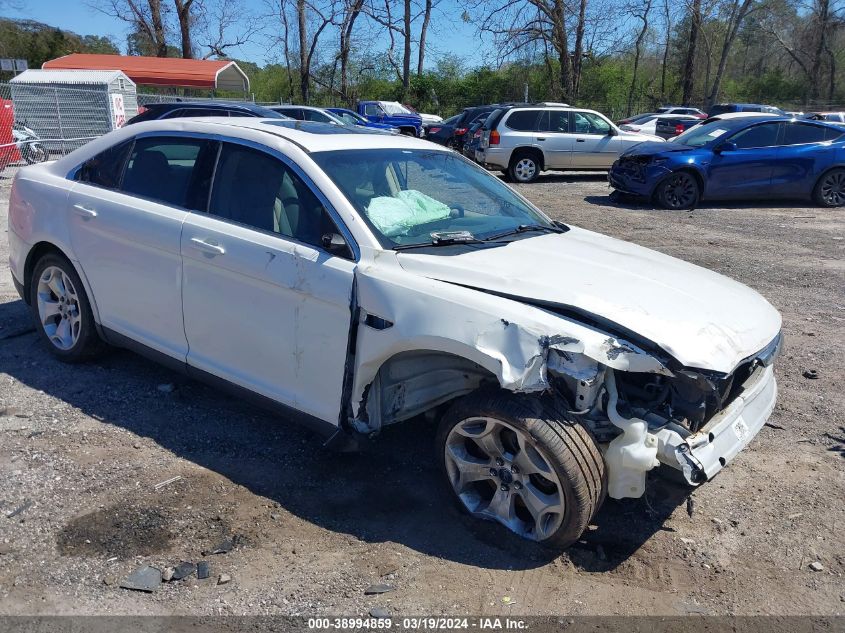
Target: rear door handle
580, 140
206, 247
541, 138
84, 211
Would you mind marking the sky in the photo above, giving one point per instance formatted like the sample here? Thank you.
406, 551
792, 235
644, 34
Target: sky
448, 33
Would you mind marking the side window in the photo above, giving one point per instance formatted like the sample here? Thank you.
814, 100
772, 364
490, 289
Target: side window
554, 121
313, 115
238, 113
258, 190
800, 133
372, 109
765, 135
175, 114
523, 120
171, 170
589, 123
106, 168
833, 133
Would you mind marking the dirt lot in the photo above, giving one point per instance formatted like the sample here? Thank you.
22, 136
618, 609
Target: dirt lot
87, 444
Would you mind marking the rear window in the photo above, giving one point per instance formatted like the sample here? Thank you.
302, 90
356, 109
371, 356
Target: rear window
801, 133
523, 120
720, 109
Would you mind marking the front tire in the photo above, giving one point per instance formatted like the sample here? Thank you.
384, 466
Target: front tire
515, 459
678, 191
62, 312
830, 189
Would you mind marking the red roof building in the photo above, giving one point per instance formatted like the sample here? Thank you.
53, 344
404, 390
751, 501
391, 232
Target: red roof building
160, 71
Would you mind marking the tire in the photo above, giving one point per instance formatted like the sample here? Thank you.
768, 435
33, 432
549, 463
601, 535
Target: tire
830, 189
678, 191
546, 482
58, 297
524, 167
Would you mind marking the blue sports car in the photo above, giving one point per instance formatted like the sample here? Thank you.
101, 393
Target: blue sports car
736, 158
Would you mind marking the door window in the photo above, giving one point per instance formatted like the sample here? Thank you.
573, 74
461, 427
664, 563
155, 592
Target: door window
313, 115
106, 168
801, 133
372, 109
260, 191
554, 121
765, 135
589, 123
172, 170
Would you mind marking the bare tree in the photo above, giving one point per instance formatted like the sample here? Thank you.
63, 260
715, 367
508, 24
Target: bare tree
147, 17
688, 75
429, 4
737, 12
641, 12
185, 17
224, 25
350, 12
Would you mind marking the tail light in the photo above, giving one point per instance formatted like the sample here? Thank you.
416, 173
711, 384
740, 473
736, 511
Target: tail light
142, 109
494, 137
434, 130
460, 131
679, 129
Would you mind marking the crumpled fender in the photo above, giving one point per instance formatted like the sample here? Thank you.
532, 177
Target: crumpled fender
509, 338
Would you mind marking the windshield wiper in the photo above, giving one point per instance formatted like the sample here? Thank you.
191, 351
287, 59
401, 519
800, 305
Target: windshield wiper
525, 228
445, 238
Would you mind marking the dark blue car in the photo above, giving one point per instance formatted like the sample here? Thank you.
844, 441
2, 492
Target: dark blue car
738, 158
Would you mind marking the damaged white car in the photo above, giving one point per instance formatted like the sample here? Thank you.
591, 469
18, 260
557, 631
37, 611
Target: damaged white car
357, 280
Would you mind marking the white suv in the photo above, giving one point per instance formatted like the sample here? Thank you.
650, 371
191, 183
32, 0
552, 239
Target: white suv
525, 140
355, 280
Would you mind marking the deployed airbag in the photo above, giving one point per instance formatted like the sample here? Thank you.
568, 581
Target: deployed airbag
396, 215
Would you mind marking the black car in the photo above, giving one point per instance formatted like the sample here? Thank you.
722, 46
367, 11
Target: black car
453, 131
181, 109
671, 127
473, 137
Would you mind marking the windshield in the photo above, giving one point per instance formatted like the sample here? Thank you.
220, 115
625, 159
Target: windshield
392, 107
708, 131
406, 195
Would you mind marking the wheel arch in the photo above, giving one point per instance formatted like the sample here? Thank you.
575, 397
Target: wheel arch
38, 251
525, 150
689, 169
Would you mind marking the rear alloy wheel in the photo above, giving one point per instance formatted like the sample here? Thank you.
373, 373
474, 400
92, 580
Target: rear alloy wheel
830, 189
678, 191
514, 459
524, 168
61, 310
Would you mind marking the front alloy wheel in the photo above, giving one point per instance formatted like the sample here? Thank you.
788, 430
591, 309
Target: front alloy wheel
524, 169
678, 191
513, 459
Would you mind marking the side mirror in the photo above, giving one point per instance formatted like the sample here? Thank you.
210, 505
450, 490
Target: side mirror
612, 132
727, 146
334, 244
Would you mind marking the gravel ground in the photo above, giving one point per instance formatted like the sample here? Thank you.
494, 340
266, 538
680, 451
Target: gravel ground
86, 445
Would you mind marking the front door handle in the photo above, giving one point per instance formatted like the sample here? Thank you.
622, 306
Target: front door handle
541, 138
580, 140
84, 211
207, 247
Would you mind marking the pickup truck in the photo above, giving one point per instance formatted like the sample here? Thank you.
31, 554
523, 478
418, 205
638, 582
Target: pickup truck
393, 114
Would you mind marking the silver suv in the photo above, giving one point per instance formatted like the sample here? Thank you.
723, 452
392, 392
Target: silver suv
523, 141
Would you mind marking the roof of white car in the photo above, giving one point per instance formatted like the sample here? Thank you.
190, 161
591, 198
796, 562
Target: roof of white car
309, 135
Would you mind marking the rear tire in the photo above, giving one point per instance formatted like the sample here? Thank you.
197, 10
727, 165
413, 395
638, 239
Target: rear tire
830, 189
62, 312
524, 167
516, 459
678, 191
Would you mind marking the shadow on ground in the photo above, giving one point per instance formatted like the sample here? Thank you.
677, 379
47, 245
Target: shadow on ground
391, 493
642, 204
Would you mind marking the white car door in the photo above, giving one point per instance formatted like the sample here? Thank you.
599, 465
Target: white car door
266, 306
554, 138
125, 227
596, 144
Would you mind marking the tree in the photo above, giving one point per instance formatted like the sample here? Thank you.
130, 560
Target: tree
641, 12
146, 17
688, 75
185, 18
737, 12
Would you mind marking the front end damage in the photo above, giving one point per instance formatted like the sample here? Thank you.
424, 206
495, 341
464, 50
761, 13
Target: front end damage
422, 345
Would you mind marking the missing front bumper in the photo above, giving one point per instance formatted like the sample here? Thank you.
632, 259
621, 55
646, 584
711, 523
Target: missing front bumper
702, 455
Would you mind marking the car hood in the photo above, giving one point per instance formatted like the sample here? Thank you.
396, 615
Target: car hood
702, 319
649, 148
640, 137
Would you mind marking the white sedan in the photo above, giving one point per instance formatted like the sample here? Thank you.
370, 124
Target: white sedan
356, 280
647, 124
